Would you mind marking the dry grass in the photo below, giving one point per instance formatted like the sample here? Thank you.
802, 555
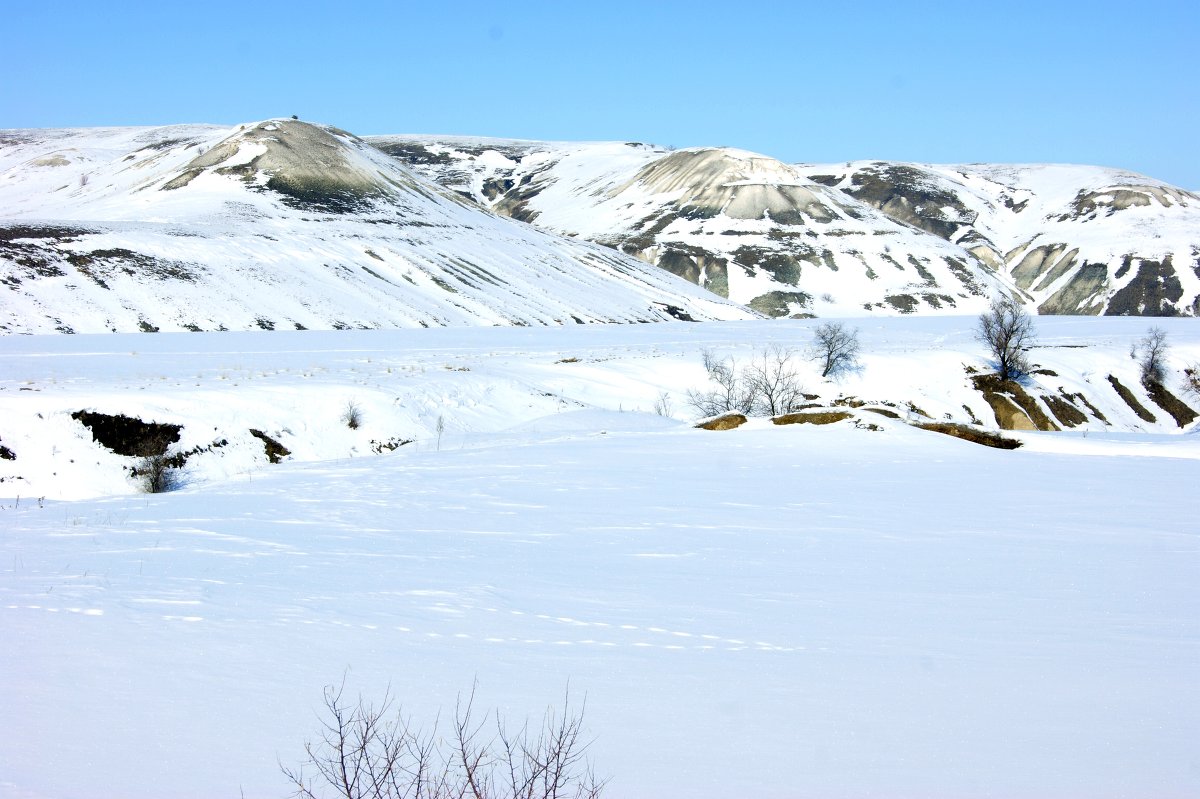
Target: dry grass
826, 417
972, 434
727, 421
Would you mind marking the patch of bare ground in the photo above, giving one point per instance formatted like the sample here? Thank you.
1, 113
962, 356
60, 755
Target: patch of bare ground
1013, 407
825, 417
1164, 399
1131, 400
1064, 411
972, 434
727, 421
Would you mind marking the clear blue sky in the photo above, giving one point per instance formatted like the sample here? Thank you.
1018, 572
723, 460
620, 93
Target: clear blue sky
1097, 82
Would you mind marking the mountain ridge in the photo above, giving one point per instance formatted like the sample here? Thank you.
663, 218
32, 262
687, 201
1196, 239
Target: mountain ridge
1092, 239
283, 224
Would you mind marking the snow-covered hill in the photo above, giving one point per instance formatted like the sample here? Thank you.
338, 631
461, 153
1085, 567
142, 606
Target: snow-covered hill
283, 225
861, 608
858, 238
1072, 239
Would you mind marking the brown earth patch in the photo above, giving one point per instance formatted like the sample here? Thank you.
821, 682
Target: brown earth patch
828, 417
972, 434
1131, 400
1164, 399
726, 421
1013, 407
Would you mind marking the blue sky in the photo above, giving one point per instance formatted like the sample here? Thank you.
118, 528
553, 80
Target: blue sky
1098, 82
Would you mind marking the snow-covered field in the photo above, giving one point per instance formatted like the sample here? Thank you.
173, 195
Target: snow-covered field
792, 611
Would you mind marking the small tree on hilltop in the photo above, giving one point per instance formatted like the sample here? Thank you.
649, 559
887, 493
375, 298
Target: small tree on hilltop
835, 347
1007, 330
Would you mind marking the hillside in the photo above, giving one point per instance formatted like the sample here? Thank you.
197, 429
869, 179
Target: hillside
1071, 239
848, 239
283, 225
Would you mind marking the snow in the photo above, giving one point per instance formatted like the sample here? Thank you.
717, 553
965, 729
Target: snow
216, 253
772, 611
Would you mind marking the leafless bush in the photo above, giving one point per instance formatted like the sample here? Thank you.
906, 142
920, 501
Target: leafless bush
730, 392
836, 348
1191, 380
662, 405
1007, 329
366, 752
773, 383
768, 386
1151, 354
156, 473
352, 416
155, 468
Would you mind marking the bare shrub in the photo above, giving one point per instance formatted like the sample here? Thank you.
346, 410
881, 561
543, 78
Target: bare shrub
769, 385
1007, 330
155, 468
773, 383
366, 751
1191, 380
352, 415
836, 348
730, 392
1151, 354
662, 405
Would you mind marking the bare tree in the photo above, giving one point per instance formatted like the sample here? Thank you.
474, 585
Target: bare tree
836, 348
730, 393
1007, 329
1151, 354
773, 383
366, 752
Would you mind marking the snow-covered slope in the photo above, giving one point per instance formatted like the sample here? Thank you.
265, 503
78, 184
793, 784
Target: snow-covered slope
283, 225
863, 237
743, 225
1071, 239
859, 609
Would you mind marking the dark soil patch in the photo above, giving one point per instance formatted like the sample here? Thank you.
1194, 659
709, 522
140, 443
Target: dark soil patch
972, 434
1131, 400
391, 445
276, 452
12, 232
1080, 398
129, 436
1066, 413
1164, 399
7, 454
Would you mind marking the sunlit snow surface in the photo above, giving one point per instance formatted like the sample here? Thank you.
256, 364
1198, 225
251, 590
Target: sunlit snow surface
771, 611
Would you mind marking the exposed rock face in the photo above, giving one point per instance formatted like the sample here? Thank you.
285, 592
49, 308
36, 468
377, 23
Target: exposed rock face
1072, 240
308, 164
742, 225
